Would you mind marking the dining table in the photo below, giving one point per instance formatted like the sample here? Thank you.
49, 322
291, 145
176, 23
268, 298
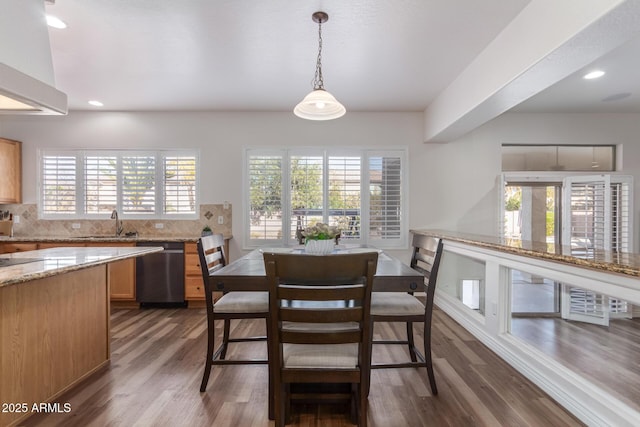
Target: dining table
248, 274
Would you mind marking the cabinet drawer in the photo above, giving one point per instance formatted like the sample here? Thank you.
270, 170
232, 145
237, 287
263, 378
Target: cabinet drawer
193, 288
190, 248
192, 265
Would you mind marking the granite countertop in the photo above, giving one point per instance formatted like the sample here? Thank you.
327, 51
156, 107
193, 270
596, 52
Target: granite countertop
49, 262
98, 239
613, 262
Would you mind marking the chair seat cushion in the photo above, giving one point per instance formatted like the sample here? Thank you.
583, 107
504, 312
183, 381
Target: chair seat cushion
243, 302
336, 356
395, 304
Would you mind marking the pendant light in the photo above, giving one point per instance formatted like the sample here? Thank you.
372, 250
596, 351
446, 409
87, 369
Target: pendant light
319, 104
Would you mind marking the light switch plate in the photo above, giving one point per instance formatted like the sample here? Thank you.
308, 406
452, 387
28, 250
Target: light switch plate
159, 225
220, 219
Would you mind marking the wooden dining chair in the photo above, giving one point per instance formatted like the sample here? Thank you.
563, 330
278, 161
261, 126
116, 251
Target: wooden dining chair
320, 328
407, 308
237, 304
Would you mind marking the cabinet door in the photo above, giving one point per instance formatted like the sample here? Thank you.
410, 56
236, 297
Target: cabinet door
11, 167
122, 281
193, 284
121, 275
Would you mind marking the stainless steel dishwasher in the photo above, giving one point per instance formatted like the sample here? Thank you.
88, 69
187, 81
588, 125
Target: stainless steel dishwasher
160, 276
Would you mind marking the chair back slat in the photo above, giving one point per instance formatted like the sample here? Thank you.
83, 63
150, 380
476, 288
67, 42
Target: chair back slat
319, 315
211, 254
425, 257
326, 293
328, 337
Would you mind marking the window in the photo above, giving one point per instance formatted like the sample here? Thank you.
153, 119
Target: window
575, 158
361, 191
140, 185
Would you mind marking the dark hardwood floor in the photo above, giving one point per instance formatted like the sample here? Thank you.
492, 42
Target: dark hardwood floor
158, 357
582, 347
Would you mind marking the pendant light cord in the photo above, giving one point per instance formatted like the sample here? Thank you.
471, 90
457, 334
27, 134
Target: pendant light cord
318, 83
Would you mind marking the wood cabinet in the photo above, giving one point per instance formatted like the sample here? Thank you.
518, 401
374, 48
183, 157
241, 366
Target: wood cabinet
193, 283
9, 248
121, 274
11, 167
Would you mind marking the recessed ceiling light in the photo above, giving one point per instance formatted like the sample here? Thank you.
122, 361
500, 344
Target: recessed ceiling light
96, 103
594, 74
54, 22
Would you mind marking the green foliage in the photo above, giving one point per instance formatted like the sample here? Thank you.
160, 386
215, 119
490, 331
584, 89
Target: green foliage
550, 223
513, 203
306, 185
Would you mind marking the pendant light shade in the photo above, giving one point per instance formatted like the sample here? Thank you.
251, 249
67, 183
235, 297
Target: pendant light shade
319, 104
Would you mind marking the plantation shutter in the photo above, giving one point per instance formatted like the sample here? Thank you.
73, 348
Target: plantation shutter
306, 192
58, 183
344, 195
179, 184
597, 216
138, 184
385, 199
101, 184
265, 194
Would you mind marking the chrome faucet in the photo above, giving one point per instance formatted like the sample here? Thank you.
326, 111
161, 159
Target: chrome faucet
114, 215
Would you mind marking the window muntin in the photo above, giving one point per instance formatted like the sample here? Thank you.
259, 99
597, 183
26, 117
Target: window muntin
139, 184
299, 188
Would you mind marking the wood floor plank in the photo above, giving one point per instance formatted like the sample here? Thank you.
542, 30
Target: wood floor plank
158, 357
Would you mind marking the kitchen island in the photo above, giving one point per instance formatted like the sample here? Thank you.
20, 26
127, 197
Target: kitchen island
54, 324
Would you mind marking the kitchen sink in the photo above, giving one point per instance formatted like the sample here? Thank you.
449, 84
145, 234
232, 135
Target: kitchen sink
108, 236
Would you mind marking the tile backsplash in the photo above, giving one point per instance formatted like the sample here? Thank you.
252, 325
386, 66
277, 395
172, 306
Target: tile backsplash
30, 225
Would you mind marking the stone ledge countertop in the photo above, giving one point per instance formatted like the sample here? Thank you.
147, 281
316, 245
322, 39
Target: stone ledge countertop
101, 239
613, 262
49, 262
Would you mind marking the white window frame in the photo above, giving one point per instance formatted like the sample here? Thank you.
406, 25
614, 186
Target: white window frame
80, 155
365, 154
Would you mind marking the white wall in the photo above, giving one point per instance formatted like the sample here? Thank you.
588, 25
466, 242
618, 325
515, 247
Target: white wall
452, 186
220, 137
468, 168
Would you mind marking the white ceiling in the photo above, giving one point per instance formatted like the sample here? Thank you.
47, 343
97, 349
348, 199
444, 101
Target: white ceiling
257, 55
618, 91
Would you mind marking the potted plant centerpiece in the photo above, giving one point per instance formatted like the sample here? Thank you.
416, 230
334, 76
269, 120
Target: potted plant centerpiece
320, 238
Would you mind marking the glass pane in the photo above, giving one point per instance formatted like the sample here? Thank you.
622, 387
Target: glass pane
265, 192
180, 184
558, 158
306, 192
138, 184
344, 195
597, 338
531, 212
101, 185
533, 294
463, 278
59, 184
385, 197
